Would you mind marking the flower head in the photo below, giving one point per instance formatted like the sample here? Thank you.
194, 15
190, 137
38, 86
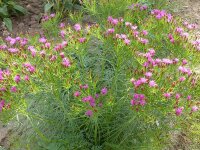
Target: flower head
104, 91
179, 111
77, 27
66, 63
13, 89
189, 97
167, 95
194, 108
152, 83
42, 40
77, 94
148, 74
2, 104
89, 113
178, 96
17, 78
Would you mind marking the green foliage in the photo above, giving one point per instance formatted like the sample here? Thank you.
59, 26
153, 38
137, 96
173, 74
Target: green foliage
56, 119
8, 8
62, 6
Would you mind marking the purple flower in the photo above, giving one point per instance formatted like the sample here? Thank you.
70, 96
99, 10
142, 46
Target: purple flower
148, 74
179, 30
82, 40
128, 24
184, 62
144, 41
42, 40
110, 31
77, 94
152, 83
17, 78
179, 111
53, 58
85, 86
47, 45
92, 104
26, 78
89, 113
52, 15
104, 91
96, 96
178, 96
62, 25
77, 27
142, 102
194, 108
145, 32
31, 69
13, 50
66, 62
181, 79
169, 17
189, 97
62, 33
167, 95
42, 53
143, 80
2, 89
13, 89
62, 55
88, 99
127, 41
2, 104
133, 102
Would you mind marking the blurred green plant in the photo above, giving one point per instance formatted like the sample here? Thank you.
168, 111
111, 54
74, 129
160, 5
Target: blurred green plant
62, 6
9, 8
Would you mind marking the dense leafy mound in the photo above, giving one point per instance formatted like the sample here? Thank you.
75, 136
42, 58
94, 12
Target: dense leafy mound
125, 83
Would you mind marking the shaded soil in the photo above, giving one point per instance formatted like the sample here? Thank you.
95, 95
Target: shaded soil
28, 23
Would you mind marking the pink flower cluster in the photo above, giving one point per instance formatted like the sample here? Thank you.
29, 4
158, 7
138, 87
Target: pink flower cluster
180, 31
48, 17
113, 21
196, 44
150, 66
29, 67
61, 46
90, 99
190, 26
184, 70
138, 99
18, 40
171, 38
77, 27
159, 14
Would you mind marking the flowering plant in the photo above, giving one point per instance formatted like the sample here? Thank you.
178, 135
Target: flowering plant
103, 87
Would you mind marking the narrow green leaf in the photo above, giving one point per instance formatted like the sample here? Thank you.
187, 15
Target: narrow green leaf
8, 23
47, 7
20, 9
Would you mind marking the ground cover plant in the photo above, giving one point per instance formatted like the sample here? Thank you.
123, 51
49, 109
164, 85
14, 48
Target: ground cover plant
127, 82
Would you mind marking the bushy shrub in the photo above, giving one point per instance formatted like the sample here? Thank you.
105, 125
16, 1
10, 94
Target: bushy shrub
125, 84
